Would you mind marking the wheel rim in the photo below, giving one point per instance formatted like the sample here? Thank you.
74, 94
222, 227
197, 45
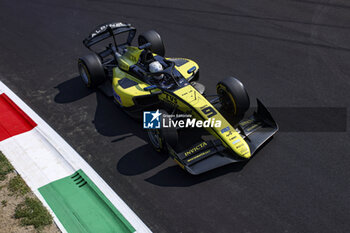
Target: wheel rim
154, 137
84, 74
142, 41
224, 99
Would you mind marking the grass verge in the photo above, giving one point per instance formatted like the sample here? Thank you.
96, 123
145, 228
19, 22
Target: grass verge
18, 186
20, 210
32, 212
5, 166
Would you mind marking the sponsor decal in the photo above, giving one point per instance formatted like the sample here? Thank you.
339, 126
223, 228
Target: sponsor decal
104, 28
171, 99
195, 149
225, 129
229, 134
254, 127
244, 149
117, 97
151, 119
236, 141
190, 91
200, 155
232, 138
246, 122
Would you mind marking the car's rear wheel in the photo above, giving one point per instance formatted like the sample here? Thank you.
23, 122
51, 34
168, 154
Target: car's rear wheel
160, 138
91, 70
233, 96
157, 45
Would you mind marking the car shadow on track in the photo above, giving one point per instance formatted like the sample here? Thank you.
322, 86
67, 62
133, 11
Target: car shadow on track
140, 160
174, 176
111, 121
144, 159
71, 90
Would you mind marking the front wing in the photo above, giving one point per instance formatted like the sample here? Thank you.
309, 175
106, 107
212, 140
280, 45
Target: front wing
208, 155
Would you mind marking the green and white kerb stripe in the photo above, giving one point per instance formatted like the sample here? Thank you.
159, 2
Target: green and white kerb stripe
77, 197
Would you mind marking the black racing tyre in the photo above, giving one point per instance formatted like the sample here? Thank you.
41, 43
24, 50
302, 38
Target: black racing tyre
159, 138
91, 70
233, 96
157, 45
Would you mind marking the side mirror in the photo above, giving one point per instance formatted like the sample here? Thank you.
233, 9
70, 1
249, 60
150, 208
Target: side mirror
191, 70
145, 46
149, 88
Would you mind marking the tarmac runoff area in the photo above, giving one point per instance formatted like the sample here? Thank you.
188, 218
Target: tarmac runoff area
293, 55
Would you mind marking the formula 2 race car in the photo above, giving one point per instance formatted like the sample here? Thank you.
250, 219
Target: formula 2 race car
129, 75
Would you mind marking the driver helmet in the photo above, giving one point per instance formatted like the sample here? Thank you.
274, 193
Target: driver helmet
155, 67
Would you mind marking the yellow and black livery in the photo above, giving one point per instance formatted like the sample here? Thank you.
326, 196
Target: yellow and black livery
121, 71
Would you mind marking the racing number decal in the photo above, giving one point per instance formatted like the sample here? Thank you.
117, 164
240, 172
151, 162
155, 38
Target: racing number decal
171, 99
209, 111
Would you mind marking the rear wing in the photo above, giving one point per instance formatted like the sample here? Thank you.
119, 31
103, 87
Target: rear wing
101, 33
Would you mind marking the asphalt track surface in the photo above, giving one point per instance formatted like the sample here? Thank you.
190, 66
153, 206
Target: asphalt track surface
293, 54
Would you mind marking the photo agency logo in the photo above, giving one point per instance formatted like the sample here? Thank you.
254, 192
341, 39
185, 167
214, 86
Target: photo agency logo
156, 120
151, 119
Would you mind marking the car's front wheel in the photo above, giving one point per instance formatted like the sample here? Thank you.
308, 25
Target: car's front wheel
233, 96
160, 138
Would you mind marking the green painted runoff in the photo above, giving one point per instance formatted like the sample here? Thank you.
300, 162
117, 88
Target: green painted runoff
82, 207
